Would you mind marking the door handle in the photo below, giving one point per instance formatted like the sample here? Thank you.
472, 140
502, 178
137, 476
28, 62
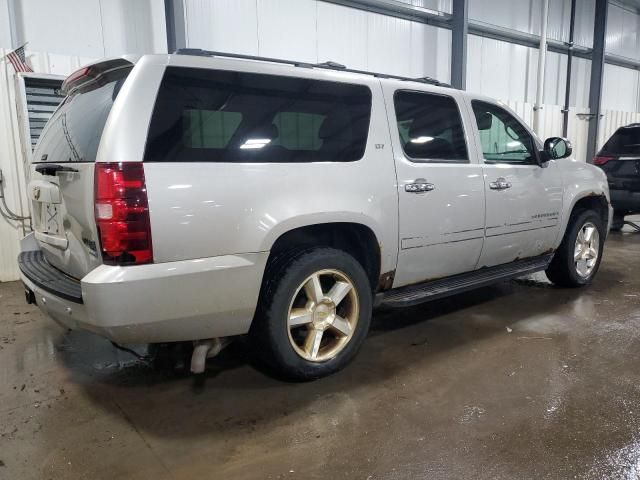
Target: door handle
420, 185
500, 184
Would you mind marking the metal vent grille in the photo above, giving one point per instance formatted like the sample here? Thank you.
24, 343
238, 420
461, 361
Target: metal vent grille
43, 98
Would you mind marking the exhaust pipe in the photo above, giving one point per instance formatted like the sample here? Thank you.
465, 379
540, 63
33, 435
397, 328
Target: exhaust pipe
204, 349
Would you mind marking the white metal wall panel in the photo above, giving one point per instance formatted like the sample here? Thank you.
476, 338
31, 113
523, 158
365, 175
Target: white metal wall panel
5, 30
497, 69
504, 70
64, 26
525, 15
224, 25
522, 15
620, 91
343, 35
94, 28
623, 28
585, 17
287, 29
133, 26
580, 76
318, 31
430, 52
389, 44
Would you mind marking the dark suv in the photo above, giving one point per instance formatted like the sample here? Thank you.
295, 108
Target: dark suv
620, 160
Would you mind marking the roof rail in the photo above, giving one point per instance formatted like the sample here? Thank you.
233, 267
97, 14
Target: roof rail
325, 65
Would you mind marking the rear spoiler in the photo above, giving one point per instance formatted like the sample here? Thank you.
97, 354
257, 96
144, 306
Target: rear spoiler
95, 74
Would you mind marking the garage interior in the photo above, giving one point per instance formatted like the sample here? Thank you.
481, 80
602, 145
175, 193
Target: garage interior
517, 380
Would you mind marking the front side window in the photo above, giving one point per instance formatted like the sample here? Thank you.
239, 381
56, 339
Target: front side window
430, 127
503, 138
206, 115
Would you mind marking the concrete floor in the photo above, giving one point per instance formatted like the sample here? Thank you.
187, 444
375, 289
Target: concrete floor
521, 380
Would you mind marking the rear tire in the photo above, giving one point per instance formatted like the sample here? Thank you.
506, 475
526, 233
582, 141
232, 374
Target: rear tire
577, 260
313, 315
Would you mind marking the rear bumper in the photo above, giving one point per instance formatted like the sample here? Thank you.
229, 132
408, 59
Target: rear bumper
625, 200
164, 302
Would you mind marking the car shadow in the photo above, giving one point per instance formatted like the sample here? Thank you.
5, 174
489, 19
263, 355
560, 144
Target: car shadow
232, 394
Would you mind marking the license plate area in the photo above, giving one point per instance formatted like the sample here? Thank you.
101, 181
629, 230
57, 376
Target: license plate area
50, 221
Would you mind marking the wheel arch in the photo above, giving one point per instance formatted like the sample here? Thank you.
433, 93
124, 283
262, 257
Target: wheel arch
356, 239
596, 201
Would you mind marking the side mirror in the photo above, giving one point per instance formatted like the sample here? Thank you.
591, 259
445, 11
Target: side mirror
556, 148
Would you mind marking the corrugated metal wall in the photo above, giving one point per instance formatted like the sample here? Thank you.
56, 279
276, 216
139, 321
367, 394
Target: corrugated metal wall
317, 31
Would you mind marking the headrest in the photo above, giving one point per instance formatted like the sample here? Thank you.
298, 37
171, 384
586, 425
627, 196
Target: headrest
333, 126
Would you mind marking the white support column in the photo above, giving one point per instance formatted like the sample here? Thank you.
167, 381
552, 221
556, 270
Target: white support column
542, 57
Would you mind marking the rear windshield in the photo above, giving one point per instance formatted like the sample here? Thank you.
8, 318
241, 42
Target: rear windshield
73, 132
626, 141
222, 116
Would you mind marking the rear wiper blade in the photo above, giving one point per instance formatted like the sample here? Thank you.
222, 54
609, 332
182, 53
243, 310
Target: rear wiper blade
52, 168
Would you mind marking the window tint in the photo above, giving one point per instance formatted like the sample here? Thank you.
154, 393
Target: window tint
430, 127
209, 128
503, 138
221, 116
74, 131
626, 141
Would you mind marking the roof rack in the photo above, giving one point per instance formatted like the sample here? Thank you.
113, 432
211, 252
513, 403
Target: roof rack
325, 65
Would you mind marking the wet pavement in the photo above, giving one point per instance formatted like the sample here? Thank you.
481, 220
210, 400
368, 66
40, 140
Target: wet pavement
520, 380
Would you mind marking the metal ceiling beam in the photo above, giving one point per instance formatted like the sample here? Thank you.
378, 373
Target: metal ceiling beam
459, 31
176, 29
522, 38
597, 72
622, 61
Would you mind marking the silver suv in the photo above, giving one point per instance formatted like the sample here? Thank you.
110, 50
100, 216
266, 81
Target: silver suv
199, 196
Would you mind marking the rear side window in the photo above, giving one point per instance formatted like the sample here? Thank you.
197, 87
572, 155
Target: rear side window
74, 130
430, 127
221, 116
626, 141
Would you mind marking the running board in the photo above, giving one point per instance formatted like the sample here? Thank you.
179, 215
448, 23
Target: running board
414, 294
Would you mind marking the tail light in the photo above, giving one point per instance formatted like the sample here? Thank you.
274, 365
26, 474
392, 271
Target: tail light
122, 213
601, 159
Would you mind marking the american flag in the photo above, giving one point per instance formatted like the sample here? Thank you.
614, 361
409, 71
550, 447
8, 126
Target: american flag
18, 60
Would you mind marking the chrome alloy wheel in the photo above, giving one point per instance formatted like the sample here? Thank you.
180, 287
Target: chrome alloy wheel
587, 248
323, 315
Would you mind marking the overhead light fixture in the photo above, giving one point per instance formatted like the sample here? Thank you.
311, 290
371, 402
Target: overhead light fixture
421, 139
254, 143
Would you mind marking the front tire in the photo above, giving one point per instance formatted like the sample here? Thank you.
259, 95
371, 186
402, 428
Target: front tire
618, 221
577, 260
313, 315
